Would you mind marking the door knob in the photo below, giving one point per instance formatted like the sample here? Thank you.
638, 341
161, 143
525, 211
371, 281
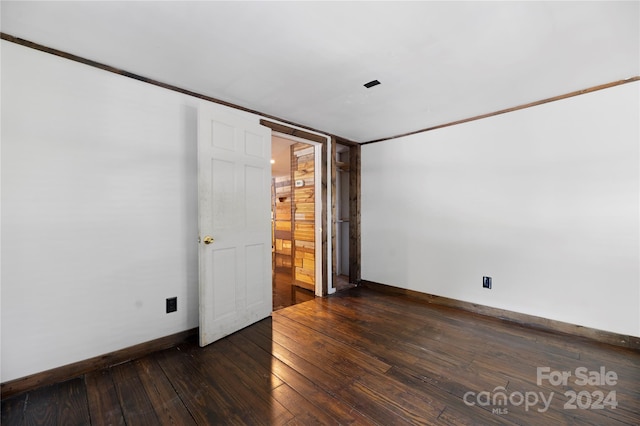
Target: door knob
208, 239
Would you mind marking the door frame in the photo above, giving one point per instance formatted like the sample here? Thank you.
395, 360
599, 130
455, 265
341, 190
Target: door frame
317, 179
322, 143
355, 154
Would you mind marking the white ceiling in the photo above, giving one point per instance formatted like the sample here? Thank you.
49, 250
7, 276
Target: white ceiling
306, 62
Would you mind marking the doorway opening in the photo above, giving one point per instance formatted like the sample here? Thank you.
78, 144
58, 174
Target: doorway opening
342, 218
296, 242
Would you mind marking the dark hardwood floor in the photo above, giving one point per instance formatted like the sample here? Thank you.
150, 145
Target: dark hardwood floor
359, 357
285, 293
341, 282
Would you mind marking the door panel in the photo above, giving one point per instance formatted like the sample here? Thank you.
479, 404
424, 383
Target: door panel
223, 271
254, 185
255, 280
223, 194
234, 173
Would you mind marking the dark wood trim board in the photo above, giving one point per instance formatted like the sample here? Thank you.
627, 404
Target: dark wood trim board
354, 214
516, 108
288, 130
119, 71
85, 61
70, 371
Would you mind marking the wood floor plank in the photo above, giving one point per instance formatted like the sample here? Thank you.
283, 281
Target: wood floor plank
137, 408
332, 365
310, 390
455, 412
401, 399
12, 410
306, 412
254, 363
255, 404
40, 406
203, 400
168, 406
73, 406
103, 402
62, 403
323, 375
328, 346
369, 402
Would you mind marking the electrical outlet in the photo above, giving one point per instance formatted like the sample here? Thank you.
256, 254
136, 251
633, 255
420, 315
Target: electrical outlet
486, 282
172, 304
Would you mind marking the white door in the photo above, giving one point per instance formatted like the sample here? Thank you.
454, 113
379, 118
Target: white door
234, 174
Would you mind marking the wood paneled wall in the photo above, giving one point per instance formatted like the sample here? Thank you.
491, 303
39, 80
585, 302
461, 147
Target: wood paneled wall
303, 198
282, 224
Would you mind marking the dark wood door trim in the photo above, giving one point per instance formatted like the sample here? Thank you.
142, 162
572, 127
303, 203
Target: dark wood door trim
323, 215
354, 214
354, 208
287, 130
334, 173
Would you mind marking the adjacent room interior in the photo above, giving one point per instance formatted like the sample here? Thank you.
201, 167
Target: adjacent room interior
293, 223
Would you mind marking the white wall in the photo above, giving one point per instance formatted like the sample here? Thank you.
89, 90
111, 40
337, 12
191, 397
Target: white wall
99, 211
544, 200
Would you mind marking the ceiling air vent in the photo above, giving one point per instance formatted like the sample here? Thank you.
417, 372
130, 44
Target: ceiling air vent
372, 83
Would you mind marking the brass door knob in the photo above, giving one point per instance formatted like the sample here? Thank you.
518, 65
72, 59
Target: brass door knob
208, 239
